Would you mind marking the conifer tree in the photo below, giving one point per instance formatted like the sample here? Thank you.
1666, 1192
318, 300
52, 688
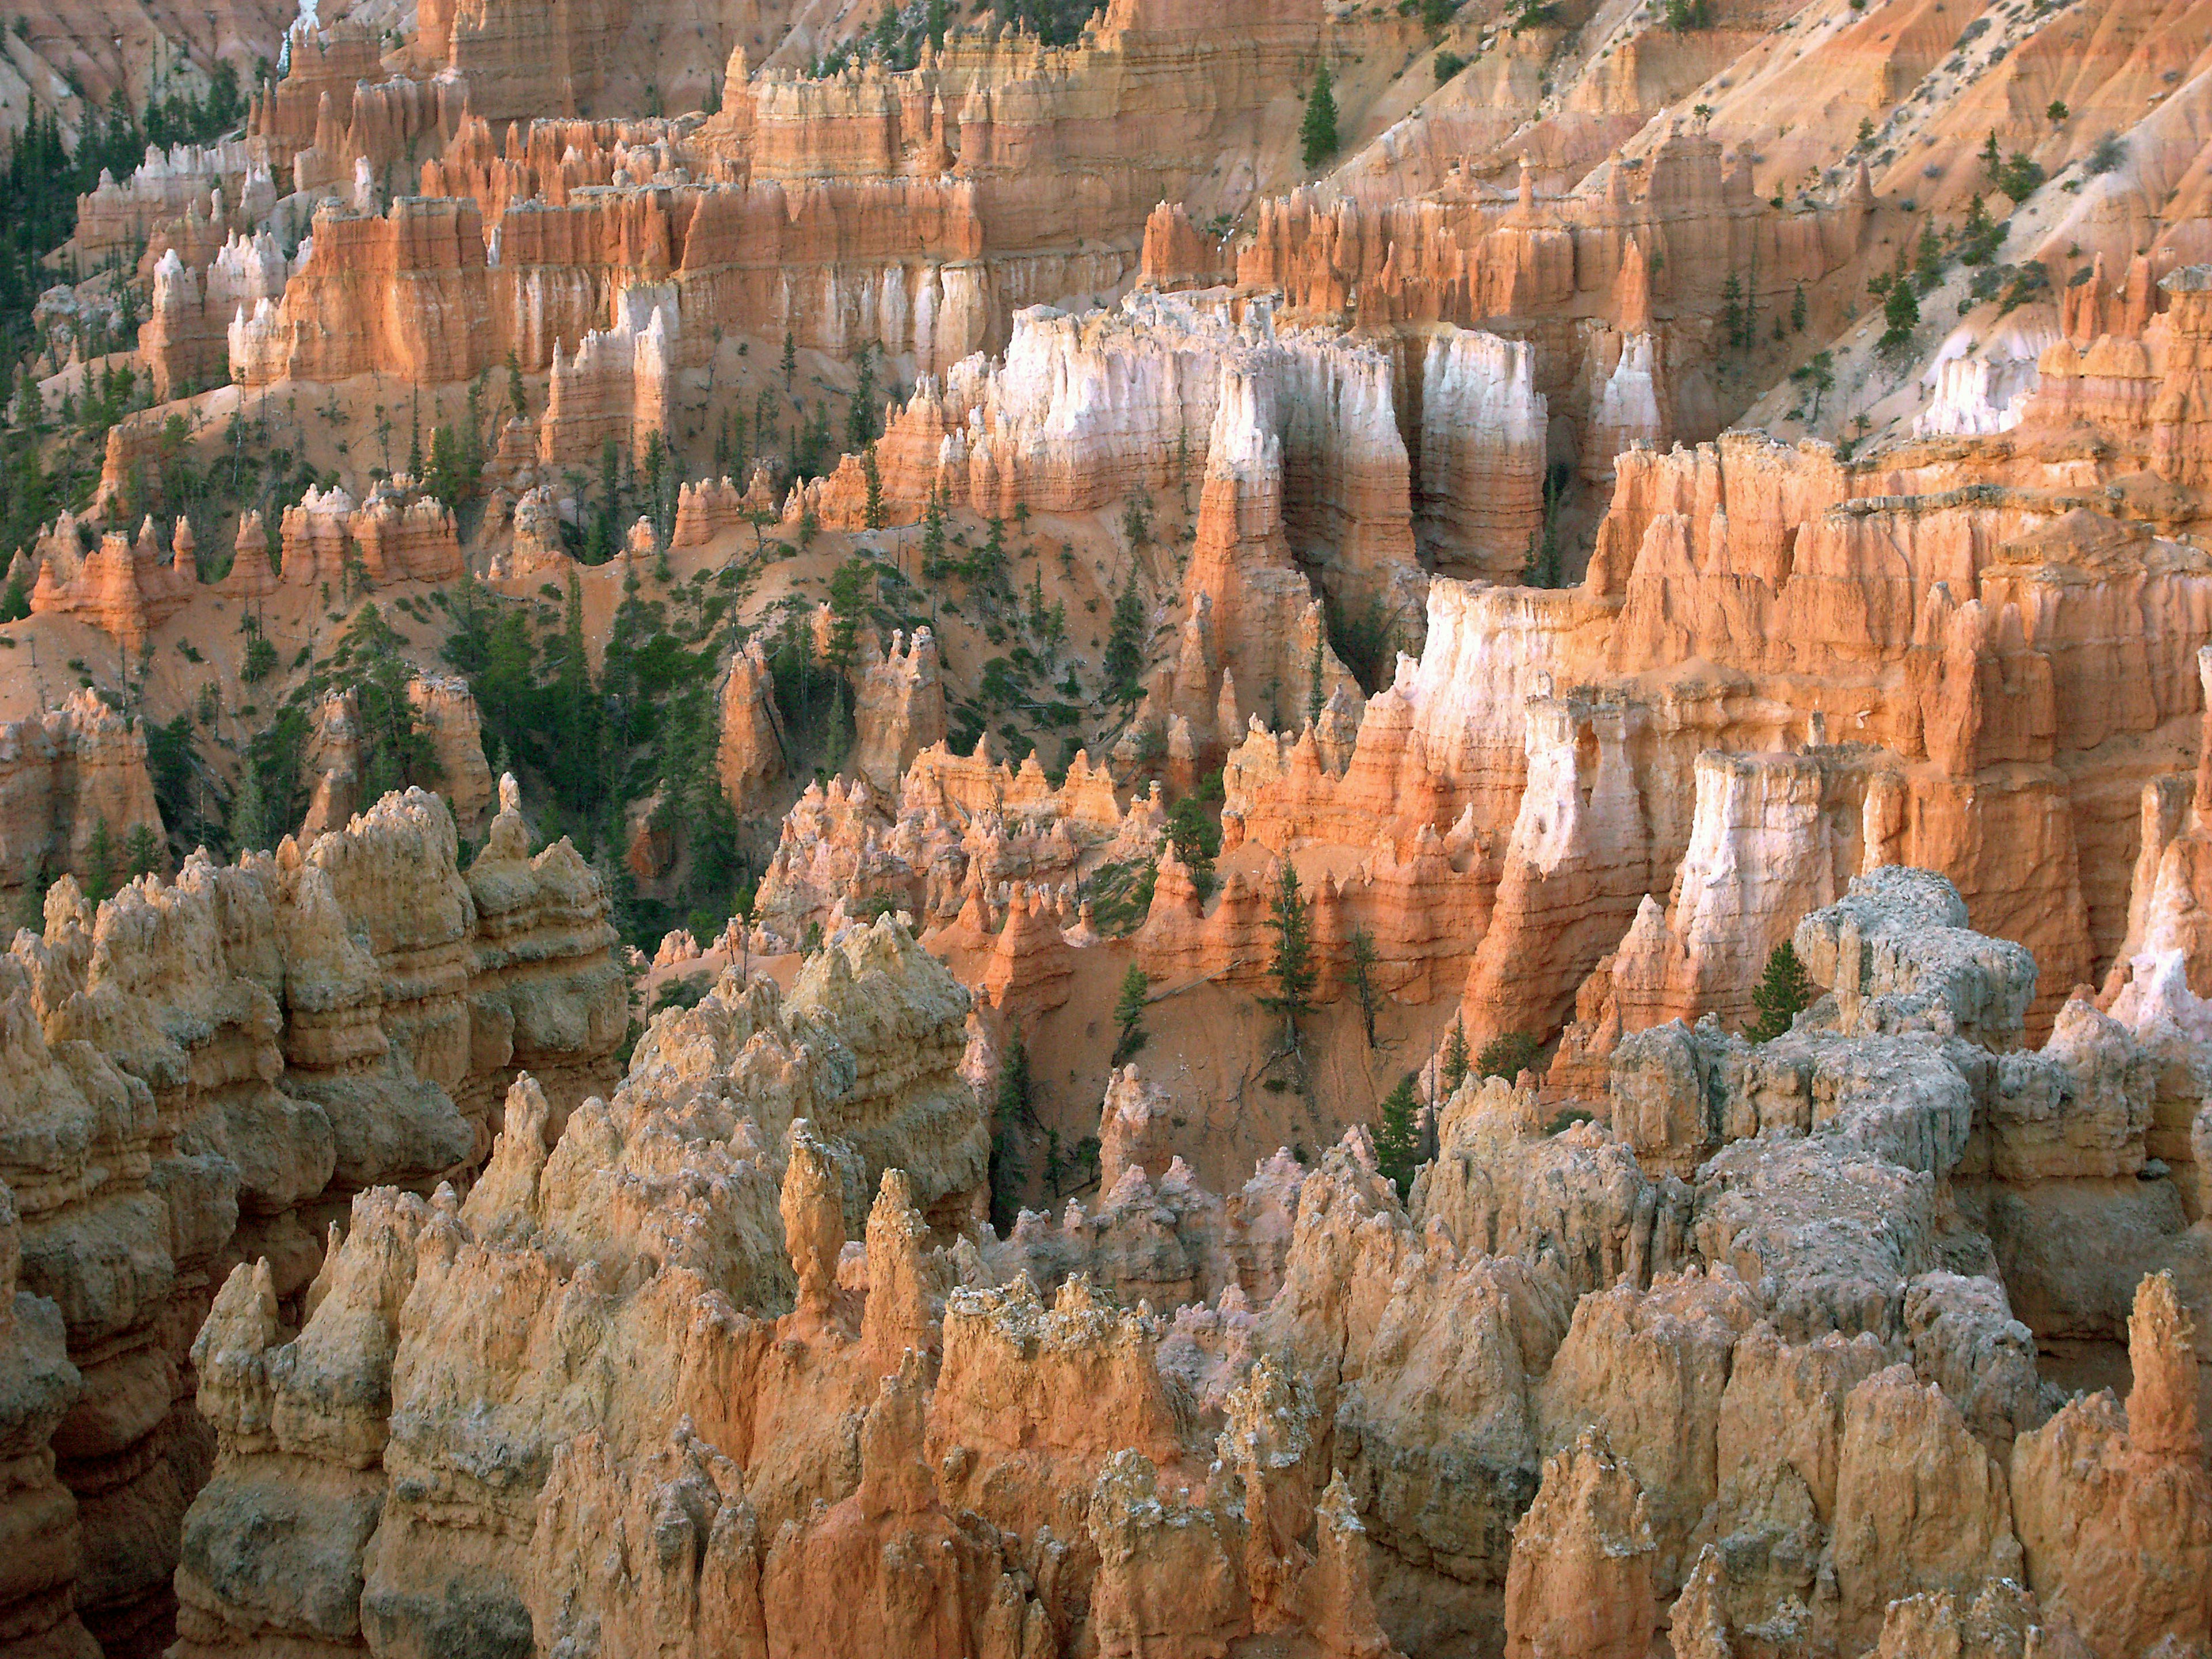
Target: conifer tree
875, 508
790, 359
1317, 133
1292, 970
1008, 1109
1783, 992
1125, 642
1451, 1070
1363, 979
1901, 312
1130, 1013
1508, 1056
1398, 1137
142, 851
99, 862
861, 414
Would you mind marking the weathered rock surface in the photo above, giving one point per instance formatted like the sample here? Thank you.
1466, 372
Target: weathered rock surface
209, 1068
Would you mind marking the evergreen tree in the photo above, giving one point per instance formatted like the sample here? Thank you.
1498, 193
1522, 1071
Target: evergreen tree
515, 398
1783, 992
868, 468
1125, 643
1735, 313
1928, 257
1130, 1013
840, 743
1797, 310
932, 535
1363, 979
1451, 1069
1292, 969
1992, 158
1196, 839
577, 761
1508, 1056
142, 851
1008, 1108
14, 603
1314, 703
99, 862
1901, 312
1398, 1137
1980, 237
790, 359
848, 596
861, 414
936, 25
1317, 138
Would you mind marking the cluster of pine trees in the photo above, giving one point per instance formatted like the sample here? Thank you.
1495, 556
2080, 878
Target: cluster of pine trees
43, 174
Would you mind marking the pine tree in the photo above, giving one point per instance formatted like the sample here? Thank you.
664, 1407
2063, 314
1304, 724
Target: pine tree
848, 595
932, 535
14, 603
1901, 312
1130, 1013
860, 413
1733, 310
1783, 992
142, 851
875, 509
1317, 133
1992, 157
790, 359
1125, 642
1008, 1109
1451, 1070
1314, 699
1508, 1056
840, 743
1398, 1137
1292, 970
1363, 979
1797, 310
99, 862
1980, 236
